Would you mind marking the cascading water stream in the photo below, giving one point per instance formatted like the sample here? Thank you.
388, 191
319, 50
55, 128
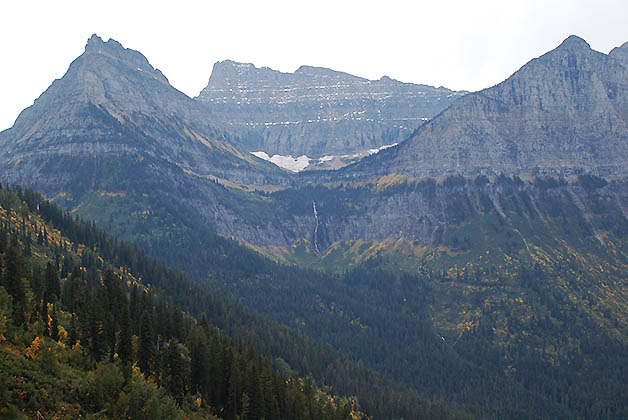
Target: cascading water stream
315, 229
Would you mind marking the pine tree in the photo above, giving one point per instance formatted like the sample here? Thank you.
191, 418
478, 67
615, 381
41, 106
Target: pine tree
14, 284
54, 325
44, 316
97, 334
146, 349
73, 335
53, 285
174, 368
125, 351
235, 387
199, 361
134, 310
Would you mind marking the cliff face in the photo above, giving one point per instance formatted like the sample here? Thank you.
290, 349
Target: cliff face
113, 102
425, 211
621, 54
563, 113
317, 111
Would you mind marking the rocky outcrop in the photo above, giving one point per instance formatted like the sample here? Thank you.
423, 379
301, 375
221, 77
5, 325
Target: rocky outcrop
563, 113
621, 54
424, 211
316, 111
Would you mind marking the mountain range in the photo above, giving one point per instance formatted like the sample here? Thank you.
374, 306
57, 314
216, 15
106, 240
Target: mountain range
490, 240
316, 111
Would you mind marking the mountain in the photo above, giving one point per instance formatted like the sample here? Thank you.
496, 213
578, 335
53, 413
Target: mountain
110, 105
113, 141
316, 111
504, 295
564, 113
621, 54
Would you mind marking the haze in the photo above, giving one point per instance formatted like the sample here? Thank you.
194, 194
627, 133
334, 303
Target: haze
457, 44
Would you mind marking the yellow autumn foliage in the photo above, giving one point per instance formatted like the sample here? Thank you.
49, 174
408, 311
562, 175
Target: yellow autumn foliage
31, 350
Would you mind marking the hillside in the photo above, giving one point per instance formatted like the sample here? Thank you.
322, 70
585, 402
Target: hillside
103, 330
521, 286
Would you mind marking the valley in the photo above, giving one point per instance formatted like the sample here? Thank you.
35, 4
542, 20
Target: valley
475, 266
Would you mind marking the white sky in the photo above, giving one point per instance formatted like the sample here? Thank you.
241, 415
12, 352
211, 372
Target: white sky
460, 44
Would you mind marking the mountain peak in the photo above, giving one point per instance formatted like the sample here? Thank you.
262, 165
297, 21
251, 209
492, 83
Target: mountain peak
573, 42
96, 44
621, 54
113, 49
94, 41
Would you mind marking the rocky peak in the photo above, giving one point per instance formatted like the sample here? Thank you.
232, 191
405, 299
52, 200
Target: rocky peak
574, 43
621, 54
112, 49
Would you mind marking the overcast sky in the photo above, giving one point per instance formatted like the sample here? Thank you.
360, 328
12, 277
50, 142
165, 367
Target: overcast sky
458, 44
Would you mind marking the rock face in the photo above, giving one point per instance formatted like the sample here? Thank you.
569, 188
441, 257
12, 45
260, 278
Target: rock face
621, 54
316, 111
563, 113
112, 102
423, 211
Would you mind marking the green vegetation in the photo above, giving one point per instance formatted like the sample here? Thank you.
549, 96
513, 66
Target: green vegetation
114, 350
103, 336
522, 301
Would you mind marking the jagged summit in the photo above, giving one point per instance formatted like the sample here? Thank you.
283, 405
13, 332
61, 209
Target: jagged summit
96, 44
94, 41
114, 50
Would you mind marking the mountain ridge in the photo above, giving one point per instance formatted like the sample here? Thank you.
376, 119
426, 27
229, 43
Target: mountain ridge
563, 113
316, 111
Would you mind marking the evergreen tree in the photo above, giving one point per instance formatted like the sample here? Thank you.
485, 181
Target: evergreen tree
146, 348
54, 325
96, 332
14, 284
3, 239
134, 310
53, 285
199, 361
37, 283
125, 351
73, 335
174, 369
44, 316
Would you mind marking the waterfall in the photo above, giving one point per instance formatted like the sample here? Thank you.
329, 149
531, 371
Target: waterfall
315, 229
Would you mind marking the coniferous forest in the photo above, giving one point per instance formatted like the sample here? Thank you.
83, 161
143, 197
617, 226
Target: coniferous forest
91, 327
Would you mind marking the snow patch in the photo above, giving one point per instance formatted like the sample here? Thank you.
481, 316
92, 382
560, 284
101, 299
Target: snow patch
379, 149
286, 162
300, 163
